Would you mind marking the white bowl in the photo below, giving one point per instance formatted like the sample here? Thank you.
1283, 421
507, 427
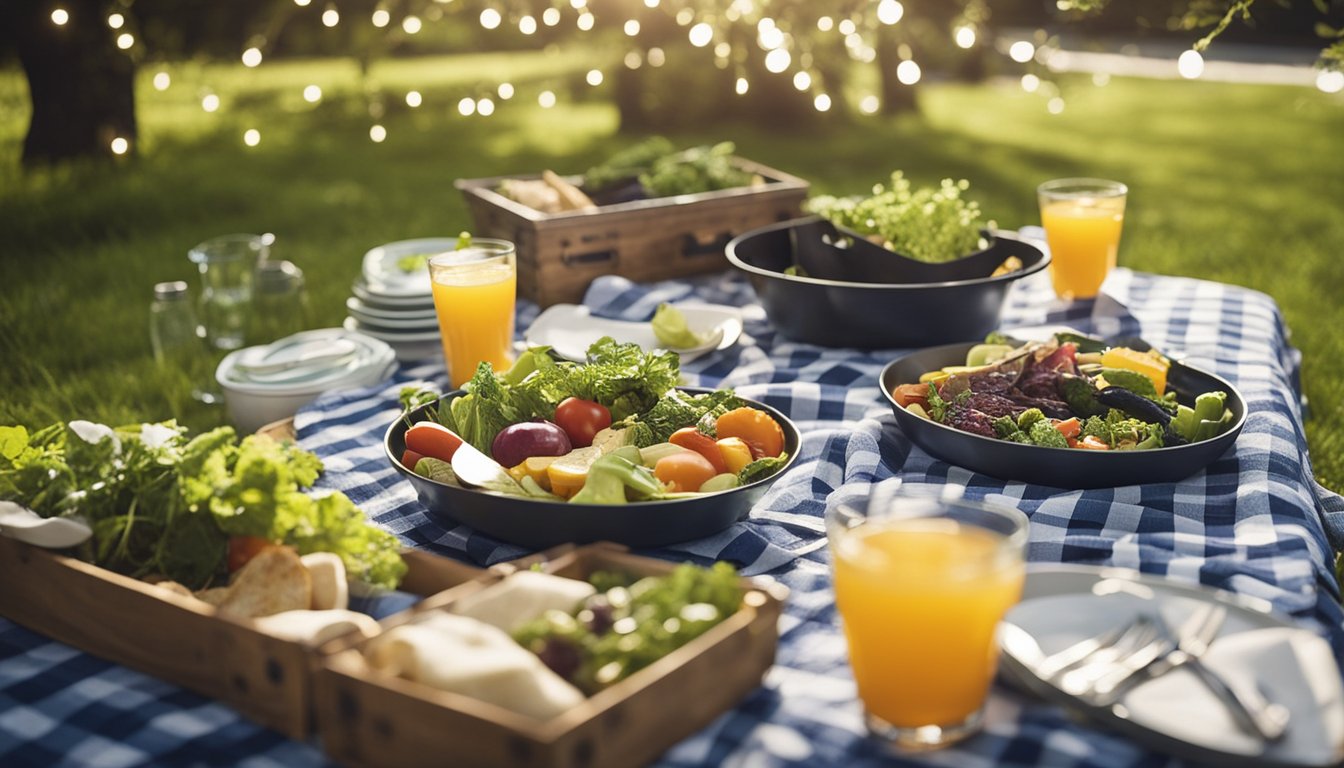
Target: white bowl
252, 405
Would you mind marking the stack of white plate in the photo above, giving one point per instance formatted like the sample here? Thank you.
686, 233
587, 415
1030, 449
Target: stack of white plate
267, 383
392, 299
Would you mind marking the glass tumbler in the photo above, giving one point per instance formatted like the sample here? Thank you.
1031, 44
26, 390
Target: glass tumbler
227, 265
1082, 220
921, 582
475, 290
279, 302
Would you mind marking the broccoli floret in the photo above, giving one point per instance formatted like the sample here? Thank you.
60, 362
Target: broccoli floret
1006, 428
1029, 417
1044, 434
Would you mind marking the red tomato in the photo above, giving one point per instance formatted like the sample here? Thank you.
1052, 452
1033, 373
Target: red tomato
243, 549
684, 471
428, 438
905, 394
581, 419
410, 458
695, 440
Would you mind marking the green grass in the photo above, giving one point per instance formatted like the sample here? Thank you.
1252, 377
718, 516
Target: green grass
1234, 183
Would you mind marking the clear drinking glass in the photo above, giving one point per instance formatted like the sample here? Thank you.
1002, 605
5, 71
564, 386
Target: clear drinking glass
227, 265
475, 289
921, 582
279, 302
1082, 220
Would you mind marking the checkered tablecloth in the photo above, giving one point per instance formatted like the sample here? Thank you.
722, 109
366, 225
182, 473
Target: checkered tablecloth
1254, 522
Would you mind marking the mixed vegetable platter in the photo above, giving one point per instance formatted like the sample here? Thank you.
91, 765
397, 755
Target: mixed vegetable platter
613, 430
1069, 392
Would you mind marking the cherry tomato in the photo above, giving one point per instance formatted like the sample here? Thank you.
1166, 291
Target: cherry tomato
244, 548
905, 394
695, 440
410, 458
757, 429
428, 438
684, 471
581, 419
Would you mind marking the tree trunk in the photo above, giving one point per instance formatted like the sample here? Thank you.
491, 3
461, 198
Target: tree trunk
81, 86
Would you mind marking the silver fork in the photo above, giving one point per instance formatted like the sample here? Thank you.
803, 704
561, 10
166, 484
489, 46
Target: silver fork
1075, 668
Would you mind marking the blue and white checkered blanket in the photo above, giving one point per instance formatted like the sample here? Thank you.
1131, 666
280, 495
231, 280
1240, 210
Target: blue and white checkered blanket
1254, 522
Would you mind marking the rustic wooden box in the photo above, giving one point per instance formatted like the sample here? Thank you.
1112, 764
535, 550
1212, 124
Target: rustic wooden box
368, 718
181, 640
559, 254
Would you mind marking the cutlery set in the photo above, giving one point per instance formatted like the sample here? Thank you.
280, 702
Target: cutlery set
1101, 669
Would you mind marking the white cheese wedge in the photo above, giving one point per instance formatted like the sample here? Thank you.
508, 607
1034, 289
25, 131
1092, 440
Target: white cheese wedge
330, 589
317, 627
521, 597
465, 656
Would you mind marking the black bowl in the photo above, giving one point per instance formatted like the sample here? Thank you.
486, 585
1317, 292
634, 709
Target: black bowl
834, 313
1060, 467
537, 523
827, 252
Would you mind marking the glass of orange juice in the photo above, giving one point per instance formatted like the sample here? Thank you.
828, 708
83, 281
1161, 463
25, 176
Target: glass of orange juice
475, 289
921, 582
1082, 220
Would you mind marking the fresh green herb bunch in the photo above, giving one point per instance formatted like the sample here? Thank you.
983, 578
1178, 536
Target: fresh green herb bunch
163, 504
665, 172
926, 224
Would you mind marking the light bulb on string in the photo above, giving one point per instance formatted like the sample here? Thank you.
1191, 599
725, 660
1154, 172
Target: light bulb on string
527, 25
802, 81
116, 21
777, 60
1021, 51
125, 41
210, 102
331, 17
742, 86
302, 3
1030, 83
1055, 105
60, 17
251, 137
490, 18
594, 77
377, 133
120, 146
251, 57
1330, 81
701, 35
632, 27
162, 80
1190, 65
413, 99
847, 27
868, 104
889, 12
633, 60
546, 99
550, 17
485, 107
411, 25
822, 103
466, 106
964, 36
312, 94
381, 18
505, 91
656, 57
585, 21
825, 24
907, 72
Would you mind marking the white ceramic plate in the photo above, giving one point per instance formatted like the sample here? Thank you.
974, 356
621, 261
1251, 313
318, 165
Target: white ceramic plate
392, 337
379, 296
374, 313
569, 329
1176, 712
382, 265
395, 325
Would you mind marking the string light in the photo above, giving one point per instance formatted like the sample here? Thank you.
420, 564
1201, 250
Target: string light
701, 34
466, 107
1055, 106
251, 57
125, 40
331, 17
527, 25
411, 25
1330, 81
685, 16
546, 99
252, 137
312, 94
550, 17
633, 60
120, 146
302, 3
656, 57
965, 37
1030, 83
381, 18
594, 77
377, 133
632, 27
490, 18
485, 107
847, 27
505, 91
907, 72
868, 104
825, 24
578, 5
210, 102
742, 86
116, 21
802, 81
162, 81
777, 60
889, 12
650, 3
59, 17
413, 99
822, 102
1021, 51
585, 21
1190, 64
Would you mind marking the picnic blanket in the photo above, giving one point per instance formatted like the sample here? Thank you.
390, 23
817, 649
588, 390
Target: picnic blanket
1254, 522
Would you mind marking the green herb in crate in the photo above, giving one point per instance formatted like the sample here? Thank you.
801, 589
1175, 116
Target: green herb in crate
664, 172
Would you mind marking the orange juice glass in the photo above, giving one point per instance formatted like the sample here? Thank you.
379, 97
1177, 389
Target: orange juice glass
1082, 220
475, 289
921, 582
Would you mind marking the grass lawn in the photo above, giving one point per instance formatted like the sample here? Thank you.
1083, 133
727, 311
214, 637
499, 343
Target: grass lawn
1234, 183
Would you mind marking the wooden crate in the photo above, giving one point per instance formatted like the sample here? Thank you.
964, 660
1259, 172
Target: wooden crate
559, 254
368, 718
182, 640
